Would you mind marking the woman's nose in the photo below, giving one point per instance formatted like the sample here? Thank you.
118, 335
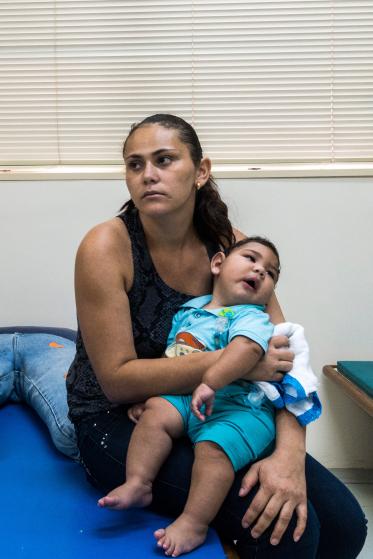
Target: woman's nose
150, 173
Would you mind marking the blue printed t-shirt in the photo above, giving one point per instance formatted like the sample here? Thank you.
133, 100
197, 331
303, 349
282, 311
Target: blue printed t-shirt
211, 329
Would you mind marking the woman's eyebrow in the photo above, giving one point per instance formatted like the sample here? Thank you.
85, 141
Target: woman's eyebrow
153, 154
162, 150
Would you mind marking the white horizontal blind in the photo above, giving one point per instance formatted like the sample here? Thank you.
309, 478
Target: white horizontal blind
285, 80
262, 81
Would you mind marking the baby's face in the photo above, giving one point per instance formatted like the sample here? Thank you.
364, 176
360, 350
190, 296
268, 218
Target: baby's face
248, 275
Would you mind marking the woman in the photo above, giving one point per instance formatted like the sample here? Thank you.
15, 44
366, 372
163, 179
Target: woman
132, 274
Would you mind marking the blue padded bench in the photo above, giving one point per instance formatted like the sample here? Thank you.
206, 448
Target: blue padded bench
48, 508
356, 380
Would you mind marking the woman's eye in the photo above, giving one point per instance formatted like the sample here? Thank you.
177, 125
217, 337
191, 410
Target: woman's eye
164, 160
251, 258
134, 165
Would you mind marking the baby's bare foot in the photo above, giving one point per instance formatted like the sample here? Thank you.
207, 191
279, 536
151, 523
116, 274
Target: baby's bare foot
130, 494
182, 536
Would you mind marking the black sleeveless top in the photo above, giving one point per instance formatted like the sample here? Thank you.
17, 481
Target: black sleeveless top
152, 305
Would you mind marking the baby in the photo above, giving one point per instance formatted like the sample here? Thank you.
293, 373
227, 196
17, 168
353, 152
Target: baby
228, 427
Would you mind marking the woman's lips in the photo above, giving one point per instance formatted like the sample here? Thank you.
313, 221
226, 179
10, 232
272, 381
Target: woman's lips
152, 193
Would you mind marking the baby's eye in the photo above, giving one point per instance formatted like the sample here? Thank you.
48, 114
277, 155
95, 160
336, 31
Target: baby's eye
273, 274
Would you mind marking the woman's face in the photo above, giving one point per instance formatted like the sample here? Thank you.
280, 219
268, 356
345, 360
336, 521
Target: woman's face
160, 174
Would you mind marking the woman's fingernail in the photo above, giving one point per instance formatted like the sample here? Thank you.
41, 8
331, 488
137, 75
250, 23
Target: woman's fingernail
274, 541
245, 524
254, 534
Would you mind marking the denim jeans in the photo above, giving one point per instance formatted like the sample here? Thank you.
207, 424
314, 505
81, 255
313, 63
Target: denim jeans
33, 367
336, 527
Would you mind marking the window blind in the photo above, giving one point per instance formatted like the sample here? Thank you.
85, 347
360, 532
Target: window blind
261, 81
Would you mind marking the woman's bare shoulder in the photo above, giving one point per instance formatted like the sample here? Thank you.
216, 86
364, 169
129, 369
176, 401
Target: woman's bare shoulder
106, 249
107, 235
238, 234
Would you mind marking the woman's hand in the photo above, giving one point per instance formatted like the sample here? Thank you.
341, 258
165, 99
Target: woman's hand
136, 411
277, 361
282, 491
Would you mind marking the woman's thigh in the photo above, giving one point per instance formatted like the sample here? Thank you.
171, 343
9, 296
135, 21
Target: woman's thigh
343, 525
103, 442
335, 520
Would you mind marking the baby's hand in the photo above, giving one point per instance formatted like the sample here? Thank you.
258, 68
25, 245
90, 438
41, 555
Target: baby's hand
203, 394
136, 411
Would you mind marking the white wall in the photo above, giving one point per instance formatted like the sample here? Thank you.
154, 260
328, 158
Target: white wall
322, 227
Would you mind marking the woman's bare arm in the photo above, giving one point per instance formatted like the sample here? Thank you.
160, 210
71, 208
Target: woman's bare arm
103, 276
274, 310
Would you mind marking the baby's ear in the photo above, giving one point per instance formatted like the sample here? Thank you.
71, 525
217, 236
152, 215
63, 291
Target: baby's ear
216, 262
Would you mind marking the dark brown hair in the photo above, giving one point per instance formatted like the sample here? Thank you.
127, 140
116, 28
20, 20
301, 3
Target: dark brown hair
210, 217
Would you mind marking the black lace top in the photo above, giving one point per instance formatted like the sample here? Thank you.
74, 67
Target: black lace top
152, 305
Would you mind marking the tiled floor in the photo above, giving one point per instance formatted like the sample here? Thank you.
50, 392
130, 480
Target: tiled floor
360, 483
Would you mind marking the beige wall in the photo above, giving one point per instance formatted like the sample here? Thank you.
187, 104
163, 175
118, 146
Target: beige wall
322, 227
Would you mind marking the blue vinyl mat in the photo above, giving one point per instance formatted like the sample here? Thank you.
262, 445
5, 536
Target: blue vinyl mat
48, 509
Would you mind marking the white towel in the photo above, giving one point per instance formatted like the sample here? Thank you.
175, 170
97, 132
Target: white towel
297, 391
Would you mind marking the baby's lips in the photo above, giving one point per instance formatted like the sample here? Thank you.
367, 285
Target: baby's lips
252, 282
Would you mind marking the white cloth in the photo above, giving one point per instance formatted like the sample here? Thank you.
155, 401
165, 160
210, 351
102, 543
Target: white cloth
297, 391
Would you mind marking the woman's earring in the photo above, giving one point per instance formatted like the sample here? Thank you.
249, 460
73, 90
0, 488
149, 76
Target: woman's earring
198, 185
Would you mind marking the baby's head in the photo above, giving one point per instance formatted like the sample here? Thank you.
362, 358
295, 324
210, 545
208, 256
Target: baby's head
246, 273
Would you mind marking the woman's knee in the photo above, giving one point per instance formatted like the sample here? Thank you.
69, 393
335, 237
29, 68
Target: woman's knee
358, 530
345, 532
229, 525
308, 545
343, 525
